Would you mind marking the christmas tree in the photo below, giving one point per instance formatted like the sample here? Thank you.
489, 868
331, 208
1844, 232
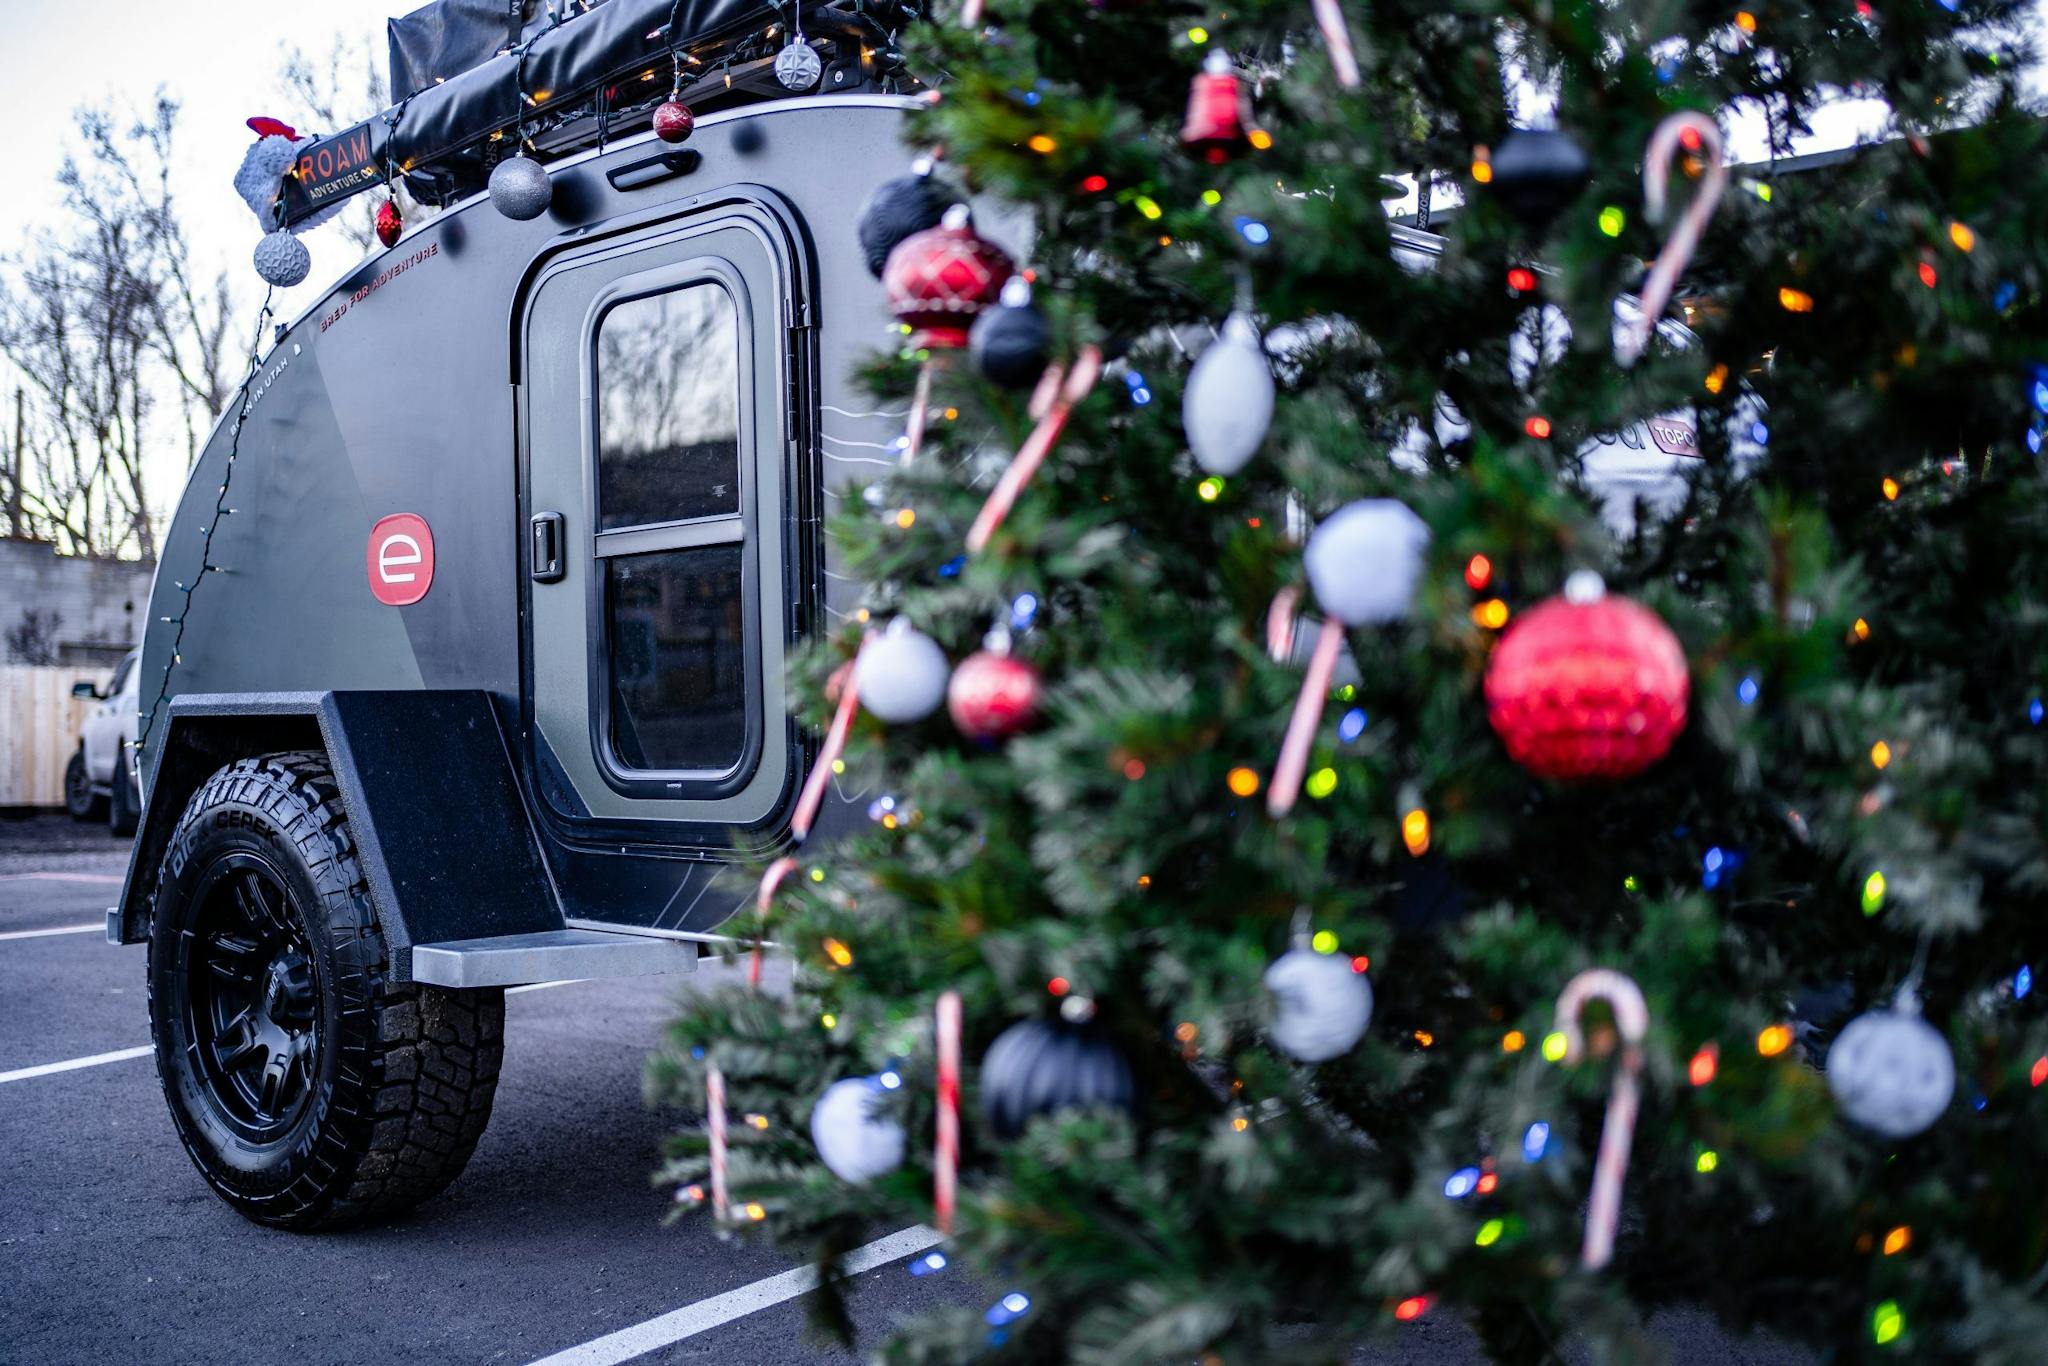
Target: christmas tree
1296, 760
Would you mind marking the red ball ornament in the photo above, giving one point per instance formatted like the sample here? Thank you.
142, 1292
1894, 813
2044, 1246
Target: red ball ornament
1215, 126
673, 121
1587, 686
992, 696
939, 279
389, 224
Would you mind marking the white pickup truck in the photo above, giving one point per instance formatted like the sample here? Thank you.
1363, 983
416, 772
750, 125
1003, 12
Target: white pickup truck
100, 780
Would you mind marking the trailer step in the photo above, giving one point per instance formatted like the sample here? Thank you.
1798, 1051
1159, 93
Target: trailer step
549, 956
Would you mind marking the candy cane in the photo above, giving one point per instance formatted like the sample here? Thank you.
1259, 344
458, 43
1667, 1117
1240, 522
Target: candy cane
946, 1145
1678, 248
1336, 37
764, 895
835, 745
920, 410
1617, 1131
1076, 386
1308, 714
970, 14
1280, 624
714, 1114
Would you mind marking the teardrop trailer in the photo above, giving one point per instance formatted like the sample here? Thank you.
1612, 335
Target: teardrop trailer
465, 658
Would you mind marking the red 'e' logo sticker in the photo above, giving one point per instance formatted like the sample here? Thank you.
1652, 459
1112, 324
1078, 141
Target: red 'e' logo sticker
401, 559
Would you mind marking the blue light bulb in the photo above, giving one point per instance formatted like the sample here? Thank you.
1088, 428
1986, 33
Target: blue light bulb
1534, 1140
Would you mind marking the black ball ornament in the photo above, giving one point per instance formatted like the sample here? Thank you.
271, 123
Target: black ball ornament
1010, 344
1041, 1067
901, 208
1536, 172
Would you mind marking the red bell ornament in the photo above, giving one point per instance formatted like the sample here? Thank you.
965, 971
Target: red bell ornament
939, 279
673, 121
1215, 127
993, 695
389, 224
1587, 686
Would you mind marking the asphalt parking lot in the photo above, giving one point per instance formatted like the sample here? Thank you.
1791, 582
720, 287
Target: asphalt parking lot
112, 1249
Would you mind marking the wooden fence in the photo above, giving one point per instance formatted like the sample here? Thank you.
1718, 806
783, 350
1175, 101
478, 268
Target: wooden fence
39, 721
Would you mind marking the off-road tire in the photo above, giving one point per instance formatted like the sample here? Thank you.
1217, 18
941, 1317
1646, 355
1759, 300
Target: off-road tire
80, 800
121, 804
372, 1094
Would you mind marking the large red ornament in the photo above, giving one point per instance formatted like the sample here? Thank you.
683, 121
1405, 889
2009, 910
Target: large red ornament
1587, 686
389, 224
1215, 124
673, 121
939, 279
992, 696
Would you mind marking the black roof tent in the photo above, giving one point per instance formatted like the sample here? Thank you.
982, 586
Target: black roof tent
567, 79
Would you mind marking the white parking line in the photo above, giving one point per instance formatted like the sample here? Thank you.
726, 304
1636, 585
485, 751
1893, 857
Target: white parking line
43, 934
73, 1064
543, 986
705, 1315
103, 879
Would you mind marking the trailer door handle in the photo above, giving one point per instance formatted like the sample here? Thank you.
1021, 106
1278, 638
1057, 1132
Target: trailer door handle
547, 547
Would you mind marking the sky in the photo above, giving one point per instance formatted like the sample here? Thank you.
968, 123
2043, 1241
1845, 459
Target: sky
222, 61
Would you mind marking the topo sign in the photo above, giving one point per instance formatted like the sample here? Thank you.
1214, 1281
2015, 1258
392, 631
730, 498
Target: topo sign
401, 559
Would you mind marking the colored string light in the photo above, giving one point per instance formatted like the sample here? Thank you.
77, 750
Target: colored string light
840, 955
2035, 710
1489, 1233
1707, 1161
1886, 1323
1535, 1141
1351, 725
1412, 1308
828, 1022
1704, 1065
1795, 300
1514, 1041
1716, 378
1963, 237
1521, 279
1890, 489
1873, 892
2039, 1073
1745, 21
1478, 572
1253, 231
1210, 489
1880, 755
1415, 831
1360, 963
1774, 1040
1537, 426
1927, 276
1613, 220
1555, 1045
1482, 165
1491, 614
1746, 691
1461, 1183
1898, 1240
1243, 781
1320, 783
2022, 982
1324, 942
926, 1265
1861, 630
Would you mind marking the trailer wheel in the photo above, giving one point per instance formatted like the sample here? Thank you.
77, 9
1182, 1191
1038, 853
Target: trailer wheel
310, 1090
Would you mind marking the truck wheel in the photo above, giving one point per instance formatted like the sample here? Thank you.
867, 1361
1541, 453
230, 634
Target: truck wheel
121, 812
310, 1090
79, 798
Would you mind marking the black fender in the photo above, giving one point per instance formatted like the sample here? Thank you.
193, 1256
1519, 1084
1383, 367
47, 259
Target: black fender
428, 781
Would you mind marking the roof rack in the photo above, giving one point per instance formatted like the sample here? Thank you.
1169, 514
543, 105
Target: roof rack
591, 74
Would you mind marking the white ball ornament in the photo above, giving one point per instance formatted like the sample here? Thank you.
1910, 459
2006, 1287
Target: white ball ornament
1228, 404
854, 1142
1364, 560
282, 259
520, 188
1892, 1072
1320, 1005
902, 674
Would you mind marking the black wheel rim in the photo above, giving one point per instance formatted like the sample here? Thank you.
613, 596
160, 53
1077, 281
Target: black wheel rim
252, 1007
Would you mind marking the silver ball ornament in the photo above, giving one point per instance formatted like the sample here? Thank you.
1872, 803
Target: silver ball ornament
1228, 404
854, 1142
1891, 1072
1364, 560
902, 674
798, 66
282, 259
520, 188
1320, 1005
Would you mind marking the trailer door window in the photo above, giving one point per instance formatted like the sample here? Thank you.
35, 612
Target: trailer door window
668, 408
670, 531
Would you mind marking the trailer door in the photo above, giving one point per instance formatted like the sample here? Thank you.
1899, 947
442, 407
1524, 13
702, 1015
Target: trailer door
661, 461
